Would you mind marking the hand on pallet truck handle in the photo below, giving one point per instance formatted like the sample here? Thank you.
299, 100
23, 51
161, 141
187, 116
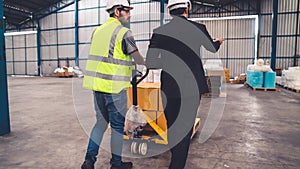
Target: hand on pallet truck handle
139, 74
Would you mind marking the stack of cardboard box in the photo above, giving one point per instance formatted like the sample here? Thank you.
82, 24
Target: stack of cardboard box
150, 101
226, 75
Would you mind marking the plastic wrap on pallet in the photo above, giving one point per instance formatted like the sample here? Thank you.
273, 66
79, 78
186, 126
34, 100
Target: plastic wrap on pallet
279, 80
134, 121
255, 79
291, 77
213, 64
260, 66
250, 67
269, 79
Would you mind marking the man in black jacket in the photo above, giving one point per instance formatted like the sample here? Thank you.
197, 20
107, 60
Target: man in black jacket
175, 48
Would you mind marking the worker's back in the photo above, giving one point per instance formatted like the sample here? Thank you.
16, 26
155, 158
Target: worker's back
108, 68
176, 49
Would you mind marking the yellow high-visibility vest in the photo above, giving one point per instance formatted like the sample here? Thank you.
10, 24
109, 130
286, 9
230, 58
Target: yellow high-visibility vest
108, 69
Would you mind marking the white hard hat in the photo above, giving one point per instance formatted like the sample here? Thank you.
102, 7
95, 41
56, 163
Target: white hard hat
111, 3
175, 4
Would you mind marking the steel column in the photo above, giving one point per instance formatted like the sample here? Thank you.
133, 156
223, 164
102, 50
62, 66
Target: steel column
38, 43
274, 34
162, 12
297, 34
25, 47
76, 35
13, 54
259, 26
4, 109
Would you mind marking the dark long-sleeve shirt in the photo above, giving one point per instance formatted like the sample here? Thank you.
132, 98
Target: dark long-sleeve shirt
175, 48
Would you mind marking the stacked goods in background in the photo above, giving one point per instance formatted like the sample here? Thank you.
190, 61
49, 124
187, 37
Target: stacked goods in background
150, 101
64, 72
153, 75
269, 79
261, 75
226, 75
214, 84
214, 73
241, 79
278, 71
290, 78
255, 79
149, 96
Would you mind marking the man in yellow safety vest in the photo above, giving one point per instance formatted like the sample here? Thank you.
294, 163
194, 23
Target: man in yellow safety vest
108, 74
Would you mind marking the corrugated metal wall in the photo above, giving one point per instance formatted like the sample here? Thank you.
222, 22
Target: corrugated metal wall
58, 31
58, 35
238, 50
57, 40
287, 47
144, 18
21, 54
287, 35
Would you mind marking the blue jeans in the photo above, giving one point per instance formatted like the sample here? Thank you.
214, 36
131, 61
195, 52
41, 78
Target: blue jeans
109, 108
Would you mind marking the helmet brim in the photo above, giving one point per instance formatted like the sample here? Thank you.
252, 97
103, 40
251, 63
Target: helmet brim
128, 7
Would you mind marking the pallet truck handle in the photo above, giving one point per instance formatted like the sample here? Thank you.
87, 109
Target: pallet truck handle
143, 77
135, 82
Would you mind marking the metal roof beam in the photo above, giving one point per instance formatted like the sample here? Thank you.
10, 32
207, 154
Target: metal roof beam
54, 9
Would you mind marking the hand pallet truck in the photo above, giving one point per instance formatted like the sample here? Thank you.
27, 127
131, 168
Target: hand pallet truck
155, 131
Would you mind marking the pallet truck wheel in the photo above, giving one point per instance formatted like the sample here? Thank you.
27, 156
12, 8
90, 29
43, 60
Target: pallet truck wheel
134, 147
143, 148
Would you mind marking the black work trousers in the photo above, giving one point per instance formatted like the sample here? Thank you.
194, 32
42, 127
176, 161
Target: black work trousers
180, 115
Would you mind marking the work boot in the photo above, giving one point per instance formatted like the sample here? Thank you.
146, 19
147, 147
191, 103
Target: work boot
124, 165
88, 164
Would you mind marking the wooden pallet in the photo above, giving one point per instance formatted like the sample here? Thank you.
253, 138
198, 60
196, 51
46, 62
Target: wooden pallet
261, 88
289, 88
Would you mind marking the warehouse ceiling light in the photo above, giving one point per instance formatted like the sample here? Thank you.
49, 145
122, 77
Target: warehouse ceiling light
19, 33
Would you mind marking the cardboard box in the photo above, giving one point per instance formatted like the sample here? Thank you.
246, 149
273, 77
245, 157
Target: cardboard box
59, 74
235, 81
68, 74
227, 79
148, 95
226, 71
226, 75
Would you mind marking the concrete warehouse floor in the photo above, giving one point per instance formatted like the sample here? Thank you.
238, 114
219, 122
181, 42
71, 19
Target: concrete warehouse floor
258, 130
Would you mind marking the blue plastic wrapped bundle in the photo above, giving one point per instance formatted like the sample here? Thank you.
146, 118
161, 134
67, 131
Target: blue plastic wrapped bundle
269, 79
255, 79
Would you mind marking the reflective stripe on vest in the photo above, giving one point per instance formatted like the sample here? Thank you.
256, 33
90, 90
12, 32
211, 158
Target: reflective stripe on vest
110, 60
107, 77
108, 69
